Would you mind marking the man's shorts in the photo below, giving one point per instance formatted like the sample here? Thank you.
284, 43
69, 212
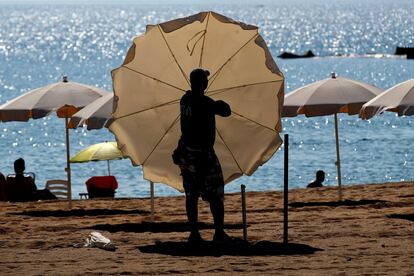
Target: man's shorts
196, 185
201, 172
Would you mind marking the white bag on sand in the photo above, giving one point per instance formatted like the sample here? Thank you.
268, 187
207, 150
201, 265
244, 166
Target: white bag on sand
96, 239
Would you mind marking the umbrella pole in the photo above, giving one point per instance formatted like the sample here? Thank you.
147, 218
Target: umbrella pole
109, 168
338, 160
243, 198
286, 190
68, 164
152, 200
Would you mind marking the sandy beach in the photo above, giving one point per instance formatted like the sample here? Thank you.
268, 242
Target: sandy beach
371, 232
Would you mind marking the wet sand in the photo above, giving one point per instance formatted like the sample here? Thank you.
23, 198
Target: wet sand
370, 232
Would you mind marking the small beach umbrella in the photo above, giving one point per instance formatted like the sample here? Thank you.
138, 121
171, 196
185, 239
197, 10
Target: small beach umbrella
65, 97
96, 114
399, 99
99, 152
329, 97
155, 75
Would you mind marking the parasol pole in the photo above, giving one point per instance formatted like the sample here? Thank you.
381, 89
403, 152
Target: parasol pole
152, 200
286, 190
338, 160
109, 168
244, 217
68, 163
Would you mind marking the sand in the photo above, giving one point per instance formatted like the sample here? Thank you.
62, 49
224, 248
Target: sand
372, 232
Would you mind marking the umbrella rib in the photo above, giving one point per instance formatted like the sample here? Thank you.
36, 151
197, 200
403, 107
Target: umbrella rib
204, 40
232, 155
172, 54
214, 77
149, 108
222, 90
162, 137
257, 123
153, 78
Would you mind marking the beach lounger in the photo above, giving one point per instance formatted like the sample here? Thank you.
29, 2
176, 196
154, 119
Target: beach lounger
21, 187
101, 186
58, 187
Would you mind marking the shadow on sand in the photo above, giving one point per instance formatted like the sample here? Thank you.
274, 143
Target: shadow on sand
336, 203
80, 213
234, 248
402, 216
156, 227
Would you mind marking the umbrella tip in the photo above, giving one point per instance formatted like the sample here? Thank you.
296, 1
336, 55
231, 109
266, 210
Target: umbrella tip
65, 78
333, 75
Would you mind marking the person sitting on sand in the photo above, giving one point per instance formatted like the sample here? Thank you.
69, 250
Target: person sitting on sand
200, 168
19, 186
3, 183
320, 177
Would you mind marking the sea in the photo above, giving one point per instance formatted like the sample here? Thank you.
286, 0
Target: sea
41, 41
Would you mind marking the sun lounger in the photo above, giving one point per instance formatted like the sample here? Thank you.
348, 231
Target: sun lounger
101, 186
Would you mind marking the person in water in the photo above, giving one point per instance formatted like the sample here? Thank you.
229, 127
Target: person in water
320, 177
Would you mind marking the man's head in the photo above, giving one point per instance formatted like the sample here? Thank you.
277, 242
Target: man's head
320, 175
199, 79
19, 166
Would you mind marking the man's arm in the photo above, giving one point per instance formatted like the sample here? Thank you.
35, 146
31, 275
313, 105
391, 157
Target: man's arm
222, 108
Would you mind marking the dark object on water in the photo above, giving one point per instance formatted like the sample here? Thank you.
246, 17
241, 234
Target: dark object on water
308, 54
409, 51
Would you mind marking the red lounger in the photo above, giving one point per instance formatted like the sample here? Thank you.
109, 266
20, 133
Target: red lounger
101, 186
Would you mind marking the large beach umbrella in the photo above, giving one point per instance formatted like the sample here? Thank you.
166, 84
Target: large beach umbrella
155, 75
399, 99
96, 114
65, 97
329, 97
105, 151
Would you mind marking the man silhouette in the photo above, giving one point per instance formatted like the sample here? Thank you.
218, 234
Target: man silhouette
320, 177
200, 168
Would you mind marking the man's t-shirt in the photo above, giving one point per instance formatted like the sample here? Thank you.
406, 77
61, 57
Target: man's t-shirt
198, 124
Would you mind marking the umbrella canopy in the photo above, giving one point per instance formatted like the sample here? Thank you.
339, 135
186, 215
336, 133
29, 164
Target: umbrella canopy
155, 75
65, 97
99, 152
329, 96
96, 114
399, 99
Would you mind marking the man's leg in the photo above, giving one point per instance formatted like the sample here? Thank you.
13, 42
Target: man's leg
217, 210
191, 205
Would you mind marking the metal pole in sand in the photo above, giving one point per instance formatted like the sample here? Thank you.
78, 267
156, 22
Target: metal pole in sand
285, 190
243, 198
338, 159
152, 200
68, 164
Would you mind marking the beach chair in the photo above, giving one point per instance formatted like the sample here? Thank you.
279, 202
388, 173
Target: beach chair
58, 187
101, 186
21, 188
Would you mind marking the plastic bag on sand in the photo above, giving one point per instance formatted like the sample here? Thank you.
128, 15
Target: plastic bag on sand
96, 239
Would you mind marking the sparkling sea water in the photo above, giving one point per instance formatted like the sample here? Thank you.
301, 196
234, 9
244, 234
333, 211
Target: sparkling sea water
40, 42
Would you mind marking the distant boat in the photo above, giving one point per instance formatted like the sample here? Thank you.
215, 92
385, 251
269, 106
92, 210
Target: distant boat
308, 54
409, 51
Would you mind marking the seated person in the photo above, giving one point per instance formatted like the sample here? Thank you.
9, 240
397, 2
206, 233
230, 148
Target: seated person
101, 186
19, 186
3, 183
320, 177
